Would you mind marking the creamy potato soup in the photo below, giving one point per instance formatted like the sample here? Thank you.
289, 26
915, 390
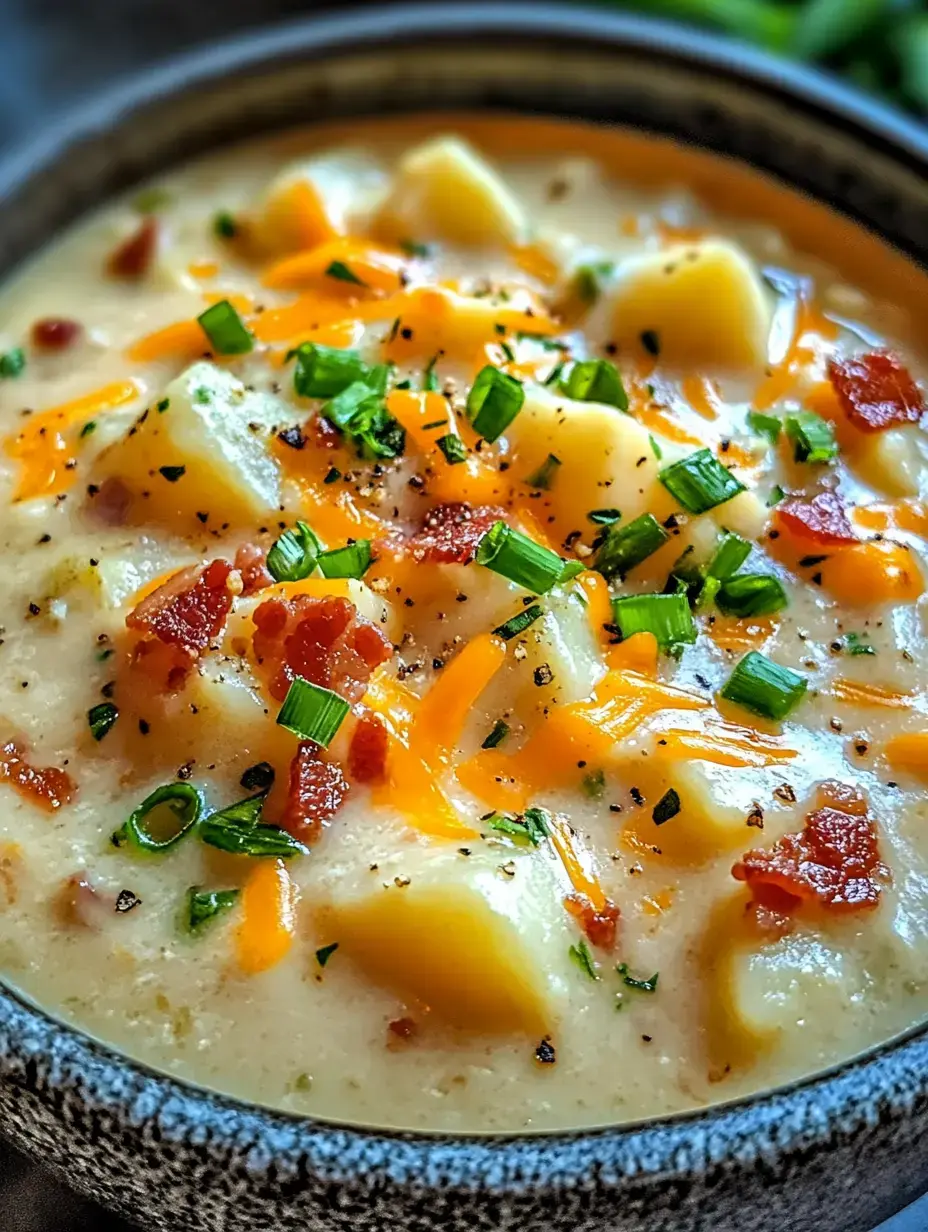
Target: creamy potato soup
463, 655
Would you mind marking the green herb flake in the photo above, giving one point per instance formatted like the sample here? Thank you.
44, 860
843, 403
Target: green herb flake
89, 428
101, 718
667, 806
655, 448
588, 280
413, 248
163, 405
224, 225
203, 906
855, 645
768, 426
172, 473
544, 476
497, 735
339, 270
632, 981
604, 517
453, 448
581, 957
594, 784
325, 952
12, 363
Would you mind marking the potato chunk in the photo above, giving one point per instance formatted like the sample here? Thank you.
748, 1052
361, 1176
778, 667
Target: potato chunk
310, 202
704, 302
444, 190
481, 939
892, 461
206, 452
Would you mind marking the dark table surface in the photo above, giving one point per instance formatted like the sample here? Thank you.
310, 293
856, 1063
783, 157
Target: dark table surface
53, 52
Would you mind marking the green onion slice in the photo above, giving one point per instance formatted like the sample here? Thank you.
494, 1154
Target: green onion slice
163, 818
751, 594
531, 827
588, 280
769, 426
225, 329
668, 617
632, 981
12, 363
293, 557
323, 372
544, 476
519, 623
101, 718
351, 561
813, 438
453, 448
596, 380
667, 806
498, 734
624, 547
325, 952
312, 712
764, 687
203, 906
581, 957
729, 556
224, 225
699, 482
239, 830
519, 559
494, 401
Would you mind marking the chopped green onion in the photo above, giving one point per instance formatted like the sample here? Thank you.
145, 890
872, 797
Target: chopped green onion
225, 329
588, 280
494, 401
323, 371
239, 830
312, 712
519, 559
707, 594
293, 556
699, 482
360, 413
533, 825
351, 561
729, 556
769, 426
764, 687
497, 735
519, 623
751, 594
655, 448
668, 617
555, 374
857, 646
604, 517
543, 477
12, 363
325, 952
631, 981
224, 225
667, 806
101, 718
339, 270
203, 906
581, 957
569, 570
596, 380
332, 475
776, 495
183, 805
453, 448
812, 437
594, 784
430, 383
624, 547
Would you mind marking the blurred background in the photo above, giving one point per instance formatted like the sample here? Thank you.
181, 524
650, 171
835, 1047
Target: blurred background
53, 52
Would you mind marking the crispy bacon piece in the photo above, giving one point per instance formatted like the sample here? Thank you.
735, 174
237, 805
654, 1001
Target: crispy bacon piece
325, 433
367, 753
48, 787
599, 926
876, 391
450, 533
131, 259
251, 562
77, 904
316, 792
833, 863
55, 333
180, 619
323, 640
822, 520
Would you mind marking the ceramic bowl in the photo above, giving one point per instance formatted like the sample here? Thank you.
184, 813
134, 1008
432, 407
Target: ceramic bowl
835, 1153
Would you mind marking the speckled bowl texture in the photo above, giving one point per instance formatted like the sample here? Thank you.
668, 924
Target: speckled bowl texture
833, 1154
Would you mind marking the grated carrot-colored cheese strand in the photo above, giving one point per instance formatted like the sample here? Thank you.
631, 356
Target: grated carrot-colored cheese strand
268, 925
444, 709
577, 863
856, 693
181, 340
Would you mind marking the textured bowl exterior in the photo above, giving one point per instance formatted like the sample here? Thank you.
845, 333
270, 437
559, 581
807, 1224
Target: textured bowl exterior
833, 1154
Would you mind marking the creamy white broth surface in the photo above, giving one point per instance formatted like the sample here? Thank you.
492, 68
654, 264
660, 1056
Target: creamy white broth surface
503, 896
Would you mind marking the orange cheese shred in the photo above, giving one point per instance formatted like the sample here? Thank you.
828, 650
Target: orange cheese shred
855, 693
725, 744
268, 925
909, 751
577, 863
378, 270
182, 340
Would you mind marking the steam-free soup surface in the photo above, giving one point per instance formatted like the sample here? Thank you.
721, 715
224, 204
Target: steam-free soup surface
522, 526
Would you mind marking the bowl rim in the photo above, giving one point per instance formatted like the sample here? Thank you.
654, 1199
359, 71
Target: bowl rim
888, 1080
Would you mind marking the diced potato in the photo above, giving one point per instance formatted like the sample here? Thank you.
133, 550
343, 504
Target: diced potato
108, 584
561, 645
704, 301
892, 461
460, 326
444, 190
310, 202
606, 459
481, 940
205, 453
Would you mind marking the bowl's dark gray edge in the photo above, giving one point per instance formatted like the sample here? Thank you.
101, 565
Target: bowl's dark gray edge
41, 1057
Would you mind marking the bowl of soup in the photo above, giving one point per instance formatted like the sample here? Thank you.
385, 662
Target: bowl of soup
464, 729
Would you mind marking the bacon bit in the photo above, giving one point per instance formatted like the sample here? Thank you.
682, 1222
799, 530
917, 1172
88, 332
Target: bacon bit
823, 519
47, 787
876, 391
111, 501
55, 333
600, 926
367, 754
403, 1028
323, 640
132, 258
181, 618
317, 791
325, 433
11, 868
75, 904
251, 562
450, 533
835, 861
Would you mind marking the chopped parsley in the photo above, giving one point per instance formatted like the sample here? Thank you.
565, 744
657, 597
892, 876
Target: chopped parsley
581, 957
339, 270
497, 735
325, 952
667, 806
631, 981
